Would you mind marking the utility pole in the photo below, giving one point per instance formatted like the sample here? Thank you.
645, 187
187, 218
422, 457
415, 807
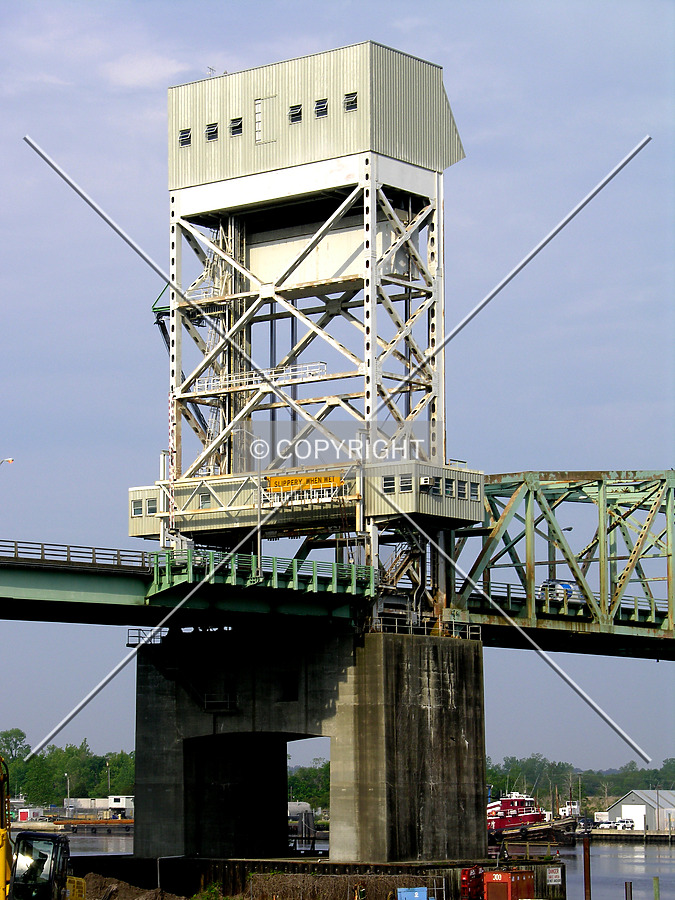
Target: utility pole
658, 810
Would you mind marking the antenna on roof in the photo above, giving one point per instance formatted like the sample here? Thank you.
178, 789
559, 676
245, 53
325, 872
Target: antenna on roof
211, 71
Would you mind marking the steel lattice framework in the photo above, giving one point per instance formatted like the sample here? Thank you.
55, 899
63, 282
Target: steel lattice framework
616, 576
378, 326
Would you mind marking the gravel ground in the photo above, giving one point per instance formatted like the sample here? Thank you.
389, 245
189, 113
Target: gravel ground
100, 888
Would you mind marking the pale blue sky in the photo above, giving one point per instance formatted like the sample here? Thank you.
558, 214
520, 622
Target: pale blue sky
570, 368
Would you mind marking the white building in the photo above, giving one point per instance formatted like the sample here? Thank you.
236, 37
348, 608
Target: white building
655, 809
120, 806
571, 808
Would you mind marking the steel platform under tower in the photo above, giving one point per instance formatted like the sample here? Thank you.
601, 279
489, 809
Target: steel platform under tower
307, 400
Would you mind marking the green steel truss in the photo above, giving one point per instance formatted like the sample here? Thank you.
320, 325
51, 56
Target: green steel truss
594, 549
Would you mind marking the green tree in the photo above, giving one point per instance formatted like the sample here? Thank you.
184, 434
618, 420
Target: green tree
121, 767
311, 784
13, 744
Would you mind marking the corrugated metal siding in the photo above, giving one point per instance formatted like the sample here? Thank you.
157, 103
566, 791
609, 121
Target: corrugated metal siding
423, 501
412, 120
144, 525
403, 112
298, 81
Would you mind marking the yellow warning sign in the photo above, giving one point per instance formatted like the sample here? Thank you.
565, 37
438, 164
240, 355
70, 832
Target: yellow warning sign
282, 483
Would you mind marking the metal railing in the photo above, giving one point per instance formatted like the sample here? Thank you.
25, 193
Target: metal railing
136, 636
558, 599
208, 560
73, 554
393, 624
256, 377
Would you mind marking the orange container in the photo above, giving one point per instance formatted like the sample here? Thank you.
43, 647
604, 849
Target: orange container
509, 885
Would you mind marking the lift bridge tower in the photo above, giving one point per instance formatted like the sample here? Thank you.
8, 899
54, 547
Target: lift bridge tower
306, 227
307, 402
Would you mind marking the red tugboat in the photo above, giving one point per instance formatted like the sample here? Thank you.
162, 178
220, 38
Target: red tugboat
513, 811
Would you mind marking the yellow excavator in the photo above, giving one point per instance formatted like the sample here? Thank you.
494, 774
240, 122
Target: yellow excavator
37, 867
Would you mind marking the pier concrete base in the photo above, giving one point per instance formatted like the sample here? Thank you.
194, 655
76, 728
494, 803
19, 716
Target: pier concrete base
405, 718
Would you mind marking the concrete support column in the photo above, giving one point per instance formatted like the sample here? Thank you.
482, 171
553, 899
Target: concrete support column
408, 756
405, 718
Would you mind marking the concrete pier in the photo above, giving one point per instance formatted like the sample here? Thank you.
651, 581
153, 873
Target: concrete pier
215, 709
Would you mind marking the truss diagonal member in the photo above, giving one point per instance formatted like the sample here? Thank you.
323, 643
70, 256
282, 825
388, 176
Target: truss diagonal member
230, 260
639, 571
203, 485
407, 423
344, 207
301, 411
224, 342
226, 432
307, 322
634, 555
401, 228
509, 543
403, 329
388, 398
391, 405
569, 557
201, 346
197, 249
406, 233
483, 560
306, 340
348, 408
585, 557
195, 419
313, 423
426, 364
351, 318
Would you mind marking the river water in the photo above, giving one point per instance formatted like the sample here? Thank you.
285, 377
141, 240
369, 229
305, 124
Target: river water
611, 865
614, 864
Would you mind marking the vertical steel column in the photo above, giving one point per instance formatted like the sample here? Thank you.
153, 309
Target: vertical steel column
670, 546
602, 547
435, 257
451, 571
612, 551
552, 548
439, 573
175, 348
530, 552
272, 364
371, 377
370, 287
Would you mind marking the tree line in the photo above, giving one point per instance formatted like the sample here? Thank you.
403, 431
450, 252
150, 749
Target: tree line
546, 780
42, 779
45, 779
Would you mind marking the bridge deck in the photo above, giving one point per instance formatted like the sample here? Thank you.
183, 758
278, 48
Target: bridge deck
53, 582
60, 583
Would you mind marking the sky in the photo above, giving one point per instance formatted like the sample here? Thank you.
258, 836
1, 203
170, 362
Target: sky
571, 367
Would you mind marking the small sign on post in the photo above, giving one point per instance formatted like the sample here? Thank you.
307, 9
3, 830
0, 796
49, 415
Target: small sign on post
554, 875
